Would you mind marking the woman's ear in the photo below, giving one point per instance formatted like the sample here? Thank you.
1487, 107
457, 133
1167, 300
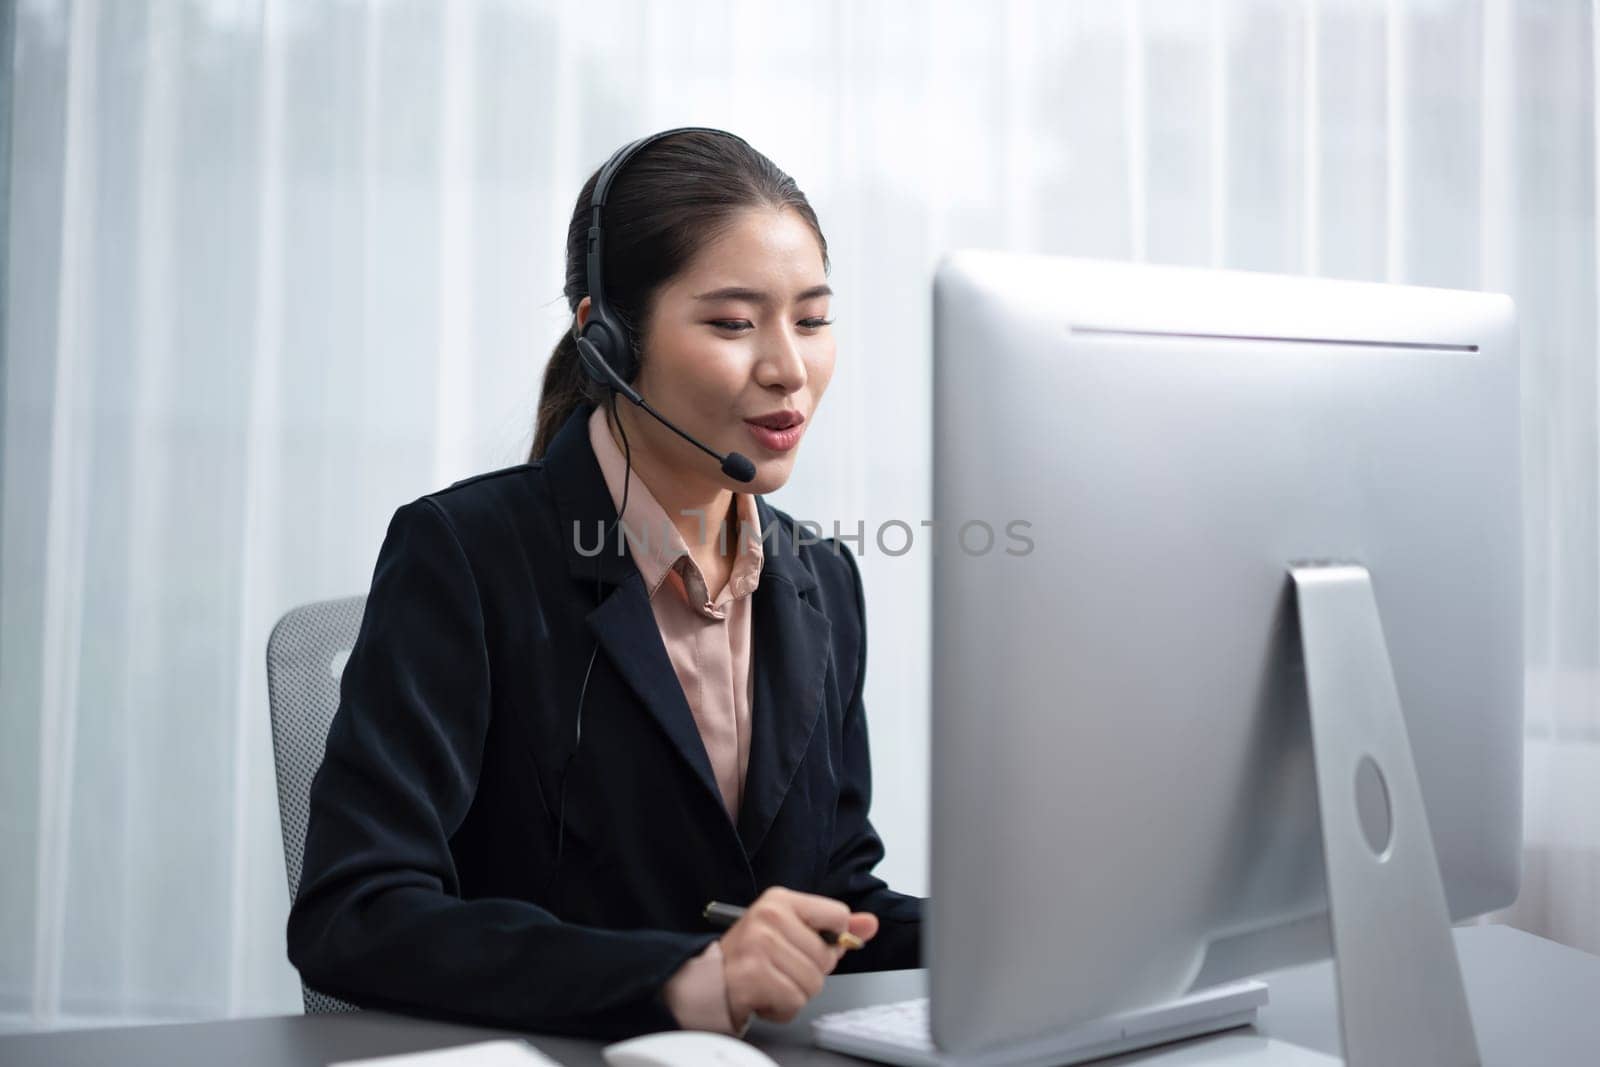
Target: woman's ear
582, 314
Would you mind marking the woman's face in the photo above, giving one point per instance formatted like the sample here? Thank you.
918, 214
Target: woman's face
740, 334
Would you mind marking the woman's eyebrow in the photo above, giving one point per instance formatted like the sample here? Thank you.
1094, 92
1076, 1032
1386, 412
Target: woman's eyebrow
755, 296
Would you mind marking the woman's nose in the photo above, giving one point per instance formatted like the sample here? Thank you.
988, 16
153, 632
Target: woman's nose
782, 364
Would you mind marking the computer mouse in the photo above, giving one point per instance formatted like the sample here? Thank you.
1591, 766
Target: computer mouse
685, 1048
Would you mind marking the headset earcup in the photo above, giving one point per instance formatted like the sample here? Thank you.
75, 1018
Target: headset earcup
623, 364
611, 343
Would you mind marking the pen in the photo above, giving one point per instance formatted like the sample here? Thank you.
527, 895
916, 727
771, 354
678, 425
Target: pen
725, 915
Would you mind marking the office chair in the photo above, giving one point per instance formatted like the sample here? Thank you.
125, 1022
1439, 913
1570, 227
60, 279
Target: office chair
305, 657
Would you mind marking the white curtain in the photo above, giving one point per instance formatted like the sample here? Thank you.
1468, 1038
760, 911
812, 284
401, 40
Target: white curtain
277, 268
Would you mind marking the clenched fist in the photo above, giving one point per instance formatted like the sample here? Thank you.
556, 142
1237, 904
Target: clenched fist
774, 958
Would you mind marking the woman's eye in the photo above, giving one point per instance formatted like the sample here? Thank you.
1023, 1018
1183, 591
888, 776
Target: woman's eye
740, 325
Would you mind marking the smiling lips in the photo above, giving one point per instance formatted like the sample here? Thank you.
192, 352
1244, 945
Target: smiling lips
778, 431
779, 420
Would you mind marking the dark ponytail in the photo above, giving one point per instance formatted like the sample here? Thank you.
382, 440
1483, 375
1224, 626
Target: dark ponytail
566, 388
674, 196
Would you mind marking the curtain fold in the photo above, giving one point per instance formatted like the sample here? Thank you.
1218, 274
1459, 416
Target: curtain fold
278, 266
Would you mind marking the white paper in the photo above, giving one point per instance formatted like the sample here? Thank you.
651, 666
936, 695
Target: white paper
503, 1053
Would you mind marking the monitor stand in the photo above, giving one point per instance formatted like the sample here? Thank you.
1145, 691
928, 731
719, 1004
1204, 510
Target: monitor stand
1401, 999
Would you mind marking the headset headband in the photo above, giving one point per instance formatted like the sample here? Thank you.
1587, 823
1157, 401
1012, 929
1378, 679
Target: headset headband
597, 204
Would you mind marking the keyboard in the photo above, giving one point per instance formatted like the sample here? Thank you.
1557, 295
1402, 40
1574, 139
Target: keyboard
900, 1029
900, 1033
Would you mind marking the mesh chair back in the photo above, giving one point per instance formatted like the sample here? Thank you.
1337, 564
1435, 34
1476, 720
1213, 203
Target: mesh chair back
305, 657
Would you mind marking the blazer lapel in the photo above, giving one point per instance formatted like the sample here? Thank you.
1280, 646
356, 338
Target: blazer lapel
623, 623
791, 641
790, 637
626, 628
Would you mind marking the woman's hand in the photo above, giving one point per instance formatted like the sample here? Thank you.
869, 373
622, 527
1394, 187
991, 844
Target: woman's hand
774, 958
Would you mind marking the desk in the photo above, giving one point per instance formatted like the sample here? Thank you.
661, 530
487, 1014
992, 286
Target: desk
1533, 1002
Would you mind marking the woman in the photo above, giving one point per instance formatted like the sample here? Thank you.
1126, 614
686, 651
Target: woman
552, 751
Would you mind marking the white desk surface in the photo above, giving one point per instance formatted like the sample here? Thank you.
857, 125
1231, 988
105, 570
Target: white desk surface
1534, 1002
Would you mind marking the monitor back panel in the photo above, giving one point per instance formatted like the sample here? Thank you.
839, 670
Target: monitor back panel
1122, 792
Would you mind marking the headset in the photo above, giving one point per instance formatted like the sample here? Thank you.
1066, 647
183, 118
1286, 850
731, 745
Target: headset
605, 348
605, 352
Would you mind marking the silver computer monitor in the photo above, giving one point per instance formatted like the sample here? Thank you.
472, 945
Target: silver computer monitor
1123, 803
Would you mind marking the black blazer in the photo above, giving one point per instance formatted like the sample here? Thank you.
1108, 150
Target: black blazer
429, 883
